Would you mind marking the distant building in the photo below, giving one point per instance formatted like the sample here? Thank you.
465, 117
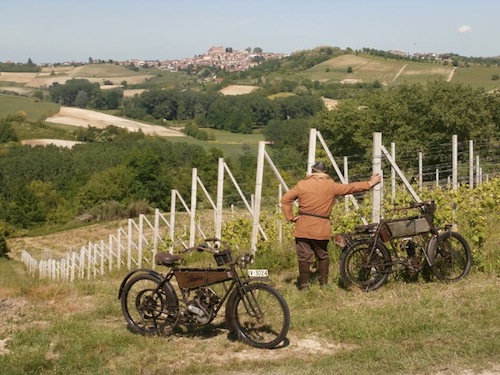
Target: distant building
216, 50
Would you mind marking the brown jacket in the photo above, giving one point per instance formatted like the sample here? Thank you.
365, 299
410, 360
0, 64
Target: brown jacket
316, 194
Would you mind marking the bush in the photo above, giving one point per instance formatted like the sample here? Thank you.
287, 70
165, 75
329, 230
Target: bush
4, 250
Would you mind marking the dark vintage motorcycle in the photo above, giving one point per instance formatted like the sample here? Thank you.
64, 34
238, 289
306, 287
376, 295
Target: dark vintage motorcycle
155, 303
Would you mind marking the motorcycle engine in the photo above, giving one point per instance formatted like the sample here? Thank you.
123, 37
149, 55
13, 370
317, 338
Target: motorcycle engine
202, 306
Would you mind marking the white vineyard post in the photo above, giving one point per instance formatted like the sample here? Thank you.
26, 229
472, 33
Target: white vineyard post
219, 198
96, 262
129, 245
73, 265
81, 264
40, 269
48, 269
120, 247
346, 177
478, 174
437, 178
420, 167
376, 169
68, 266
48, 274
61, 269
278, 212
156, 236
172, 220
102, 257
311, 155
258, 194
140, 240
393, 173
454, 168
192, 216
110, 253
471, 164
89, 260
43, 268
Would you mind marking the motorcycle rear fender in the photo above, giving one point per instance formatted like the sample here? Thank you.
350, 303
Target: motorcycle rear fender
130, 274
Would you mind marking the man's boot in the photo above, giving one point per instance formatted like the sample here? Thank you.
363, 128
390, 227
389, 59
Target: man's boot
323, 266
304, 271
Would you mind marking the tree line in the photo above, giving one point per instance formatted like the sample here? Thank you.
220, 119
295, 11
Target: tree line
29, 67
114, 174
85, 94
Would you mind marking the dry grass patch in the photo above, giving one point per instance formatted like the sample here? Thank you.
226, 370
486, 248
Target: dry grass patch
17, 77
84, 117
330, 103
128, 93
45, 142
238, 90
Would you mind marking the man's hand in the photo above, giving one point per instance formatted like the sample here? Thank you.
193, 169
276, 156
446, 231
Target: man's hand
374, 180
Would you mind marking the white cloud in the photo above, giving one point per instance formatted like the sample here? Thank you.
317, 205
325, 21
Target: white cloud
464, 29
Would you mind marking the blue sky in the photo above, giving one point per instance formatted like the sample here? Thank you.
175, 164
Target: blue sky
67, 30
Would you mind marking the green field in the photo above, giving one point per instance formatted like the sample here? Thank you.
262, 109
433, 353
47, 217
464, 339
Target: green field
364, 68
35, 111
478, 76
232, 145
367, 68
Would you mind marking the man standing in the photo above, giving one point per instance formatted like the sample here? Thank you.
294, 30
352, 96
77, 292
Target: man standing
316, 196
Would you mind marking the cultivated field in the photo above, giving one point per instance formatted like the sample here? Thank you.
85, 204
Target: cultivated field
84, 117
238, 89
47, 141
97, 73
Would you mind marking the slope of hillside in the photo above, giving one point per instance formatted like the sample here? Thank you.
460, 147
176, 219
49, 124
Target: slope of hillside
84, 117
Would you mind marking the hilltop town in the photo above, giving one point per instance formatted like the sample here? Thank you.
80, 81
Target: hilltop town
219, 57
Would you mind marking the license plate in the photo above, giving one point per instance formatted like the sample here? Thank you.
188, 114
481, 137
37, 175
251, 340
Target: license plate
258, 273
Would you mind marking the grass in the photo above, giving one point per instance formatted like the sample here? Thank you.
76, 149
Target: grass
367, 68
35, 111
416, 328
478, 76
232, 145
364, 68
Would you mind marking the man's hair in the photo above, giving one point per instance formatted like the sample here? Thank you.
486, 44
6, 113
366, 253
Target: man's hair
319, 167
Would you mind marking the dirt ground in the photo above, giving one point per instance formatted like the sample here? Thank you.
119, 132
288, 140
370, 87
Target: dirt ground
330, 103
47, 141
238, 90
84, 117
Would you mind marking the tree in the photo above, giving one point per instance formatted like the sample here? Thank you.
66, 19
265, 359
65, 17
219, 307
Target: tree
82, 99
4, 250
7, 133
38, 95
422, 118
